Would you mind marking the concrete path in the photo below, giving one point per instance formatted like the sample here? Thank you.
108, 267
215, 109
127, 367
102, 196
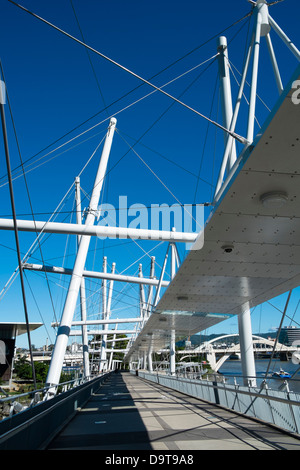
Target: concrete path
129, 413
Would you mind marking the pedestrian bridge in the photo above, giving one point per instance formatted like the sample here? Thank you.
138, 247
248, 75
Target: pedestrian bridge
119, 411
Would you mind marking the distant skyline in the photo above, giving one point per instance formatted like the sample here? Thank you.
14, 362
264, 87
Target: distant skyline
58, 90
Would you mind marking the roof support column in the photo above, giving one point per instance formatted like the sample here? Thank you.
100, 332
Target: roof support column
150, 365
246, 348
172, 354
145, 360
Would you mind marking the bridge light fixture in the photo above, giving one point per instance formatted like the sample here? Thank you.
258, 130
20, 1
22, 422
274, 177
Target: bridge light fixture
274, 199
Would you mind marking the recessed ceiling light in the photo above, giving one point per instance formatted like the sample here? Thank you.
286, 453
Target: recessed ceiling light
274, 199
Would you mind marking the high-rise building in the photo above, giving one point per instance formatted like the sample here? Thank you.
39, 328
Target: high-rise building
288, 335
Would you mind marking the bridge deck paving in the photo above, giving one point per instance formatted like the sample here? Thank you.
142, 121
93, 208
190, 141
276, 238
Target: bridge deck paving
129, 413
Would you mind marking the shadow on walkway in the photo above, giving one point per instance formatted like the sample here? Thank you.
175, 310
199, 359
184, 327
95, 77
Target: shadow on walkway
130, 413
110, 421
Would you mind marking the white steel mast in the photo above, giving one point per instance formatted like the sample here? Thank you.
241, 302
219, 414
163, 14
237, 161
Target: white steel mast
75, 283
83, 308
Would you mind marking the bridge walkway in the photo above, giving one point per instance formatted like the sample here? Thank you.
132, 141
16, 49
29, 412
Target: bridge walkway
129, 413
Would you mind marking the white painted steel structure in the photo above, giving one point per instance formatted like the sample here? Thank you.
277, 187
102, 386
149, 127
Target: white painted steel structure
83, 307
98, 275
97, 231
265, 258
75, 283
251, 251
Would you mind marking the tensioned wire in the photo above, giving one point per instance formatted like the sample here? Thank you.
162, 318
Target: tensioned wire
164, 112
96, 292
230, 63
89, 58
181, 75
114, 166
125, 287
171, 81
26, 186
212, 58
142, 84
156, 176
158, 89
187, 72
32, 248
151, 93
41, 234
101, 122
16, 271
146, 253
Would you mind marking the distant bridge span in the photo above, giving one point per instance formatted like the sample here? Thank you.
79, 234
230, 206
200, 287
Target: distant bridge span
211, 351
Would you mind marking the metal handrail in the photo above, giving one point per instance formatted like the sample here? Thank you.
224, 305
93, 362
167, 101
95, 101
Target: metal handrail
263, 392
237, 387
34, 394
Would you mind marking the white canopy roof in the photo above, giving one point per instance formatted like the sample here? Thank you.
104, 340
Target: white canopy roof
257, 217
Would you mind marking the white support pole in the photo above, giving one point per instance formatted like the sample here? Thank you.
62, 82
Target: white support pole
104, 317
226, 96
85, 346
253, 91
173, 334
103, 332
157, 293
112, 352
104, 289
93, 274
150, 291
150, 364
142, 298
110, 290
172, 354
109, 298
108, 321
98, 231
246, 348
274, 64
177, 257
234, 119
173, 260
284, 38
73, 291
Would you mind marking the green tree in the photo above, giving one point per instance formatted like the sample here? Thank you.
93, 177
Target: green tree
23, 370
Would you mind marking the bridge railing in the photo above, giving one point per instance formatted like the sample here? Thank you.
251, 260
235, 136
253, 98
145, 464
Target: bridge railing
22, 401
276, 407
31, 428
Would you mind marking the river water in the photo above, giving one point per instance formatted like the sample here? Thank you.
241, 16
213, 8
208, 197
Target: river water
233, 368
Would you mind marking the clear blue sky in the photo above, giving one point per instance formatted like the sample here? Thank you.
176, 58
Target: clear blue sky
53, 88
